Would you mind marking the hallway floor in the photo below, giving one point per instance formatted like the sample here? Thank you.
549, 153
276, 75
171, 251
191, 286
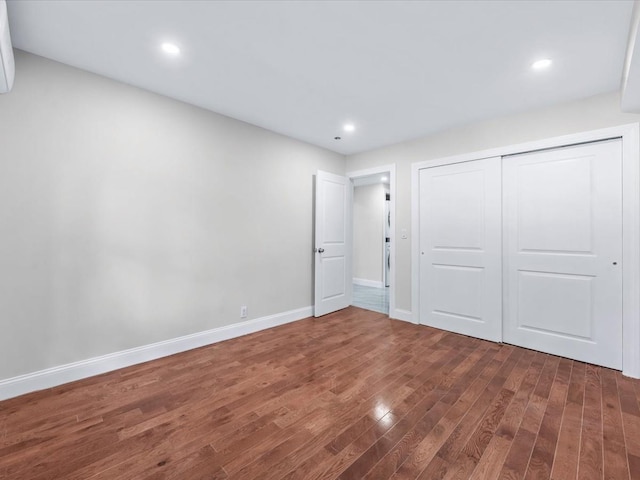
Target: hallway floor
371, 298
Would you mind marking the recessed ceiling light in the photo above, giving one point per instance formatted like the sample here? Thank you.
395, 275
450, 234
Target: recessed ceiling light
541, 64
349, 127
170, 48
384, 179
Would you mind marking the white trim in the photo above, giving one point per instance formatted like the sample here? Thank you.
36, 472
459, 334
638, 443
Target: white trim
368, 283
52, 377
391, 169
630, 135
630, 98
415, 241
385, 231
631, 251
555, 142
404, 315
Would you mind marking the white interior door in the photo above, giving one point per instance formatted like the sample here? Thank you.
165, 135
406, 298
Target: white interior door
460, 248
333, 243
563, 252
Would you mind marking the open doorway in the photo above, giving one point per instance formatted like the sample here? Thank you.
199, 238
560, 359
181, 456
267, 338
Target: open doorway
373, 247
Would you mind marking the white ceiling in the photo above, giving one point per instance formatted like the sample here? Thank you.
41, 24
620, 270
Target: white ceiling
396, 69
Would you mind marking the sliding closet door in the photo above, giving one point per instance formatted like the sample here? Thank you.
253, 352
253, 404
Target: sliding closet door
563, 252
460, 248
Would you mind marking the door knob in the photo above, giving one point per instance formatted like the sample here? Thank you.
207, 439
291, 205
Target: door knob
320, 250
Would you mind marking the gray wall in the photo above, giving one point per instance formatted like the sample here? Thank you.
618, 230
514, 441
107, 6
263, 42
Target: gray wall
129, 218
368, 232
592, 113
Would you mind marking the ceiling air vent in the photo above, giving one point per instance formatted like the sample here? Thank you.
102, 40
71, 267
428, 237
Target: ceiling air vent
7, 67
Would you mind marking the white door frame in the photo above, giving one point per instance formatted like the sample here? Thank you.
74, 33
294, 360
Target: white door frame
630, 135
391, 170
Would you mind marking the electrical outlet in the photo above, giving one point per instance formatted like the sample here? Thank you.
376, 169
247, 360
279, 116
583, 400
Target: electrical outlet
243, 311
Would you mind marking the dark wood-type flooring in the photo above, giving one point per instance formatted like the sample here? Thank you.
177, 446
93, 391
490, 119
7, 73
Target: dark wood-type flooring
352, 395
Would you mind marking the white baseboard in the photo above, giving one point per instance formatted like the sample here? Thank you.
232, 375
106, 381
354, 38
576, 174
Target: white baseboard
404, 315
52, 377
368, 283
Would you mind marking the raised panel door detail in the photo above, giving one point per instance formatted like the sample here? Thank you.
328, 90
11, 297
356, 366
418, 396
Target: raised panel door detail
333, 281
458, 292
457, 216
554, 205
333, 219
556, 304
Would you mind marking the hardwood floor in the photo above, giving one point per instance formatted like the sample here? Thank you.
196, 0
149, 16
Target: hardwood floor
351, 395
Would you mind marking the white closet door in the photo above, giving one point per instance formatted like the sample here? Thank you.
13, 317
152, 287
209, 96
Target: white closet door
563, 252
460, 251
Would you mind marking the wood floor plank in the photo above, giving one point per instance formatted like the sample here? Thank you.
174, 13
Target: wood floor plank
465, 428
542, 456
422, 460
628, 399
422, 397
632, 433
390, 398
565, 465
467, 460
406, 444
615, 459
517, 461
351, 395
491, 463
591, 453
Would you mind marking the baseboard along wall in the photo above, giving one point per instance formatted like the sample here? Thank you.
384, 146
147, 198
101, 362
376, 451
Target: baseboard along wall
55, 376
368, 283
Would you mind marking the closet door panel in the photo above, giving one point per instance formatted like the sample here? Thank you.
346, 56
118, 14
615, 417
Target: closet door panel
460, 235
562, 252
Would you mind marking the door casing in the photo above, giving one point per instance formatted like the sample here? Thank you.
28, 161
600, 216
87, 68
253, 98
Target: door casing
391, 170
